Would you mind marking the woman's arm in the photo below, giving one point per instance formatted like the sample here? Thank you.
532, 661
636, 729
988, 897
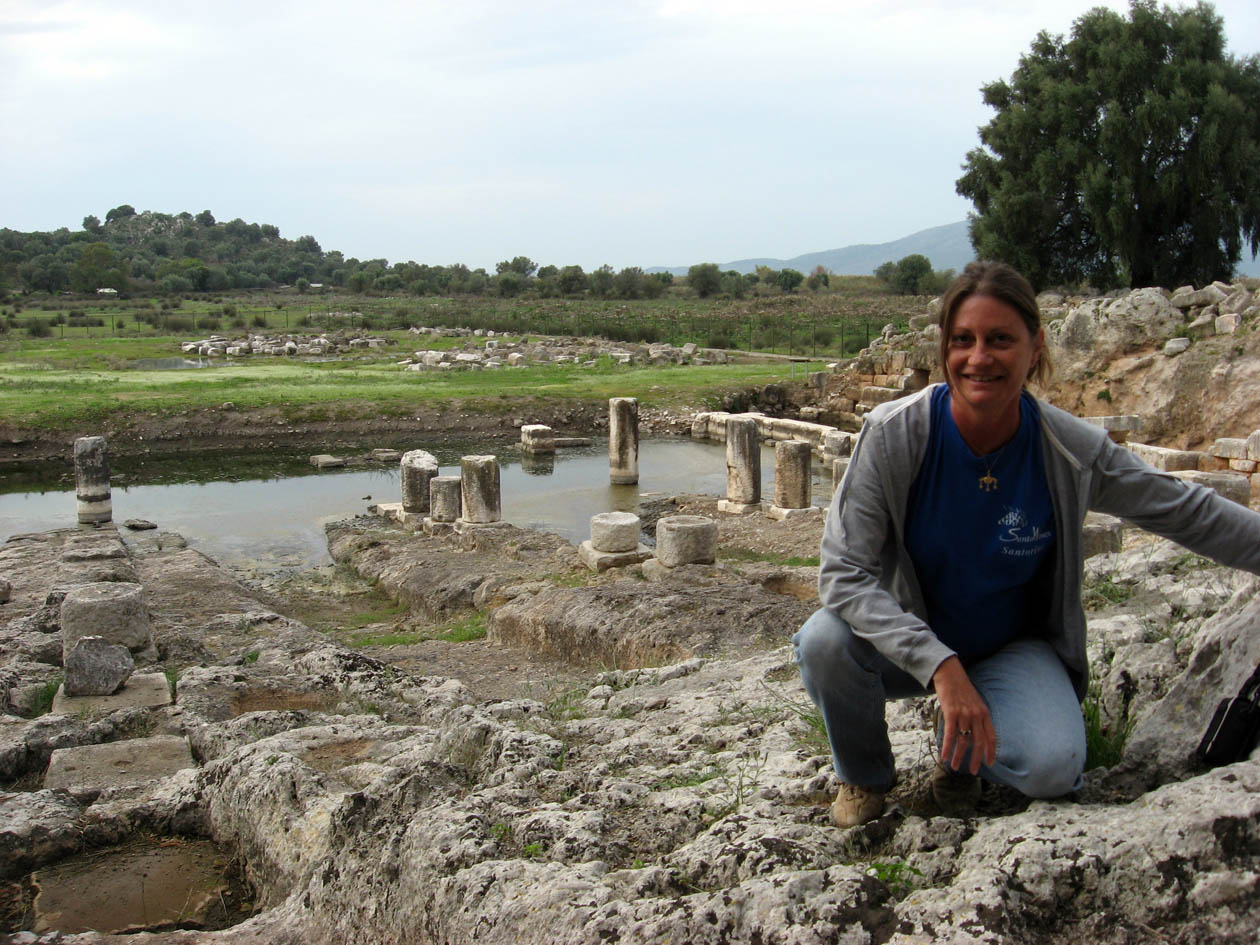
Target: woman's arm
862, 561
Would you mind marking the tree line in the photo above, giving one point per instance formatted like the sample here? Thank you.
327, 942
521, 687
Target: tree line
151, 253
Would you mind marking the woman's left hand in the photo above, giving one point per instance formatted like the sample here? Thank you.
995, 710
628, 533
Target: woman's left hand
968, 725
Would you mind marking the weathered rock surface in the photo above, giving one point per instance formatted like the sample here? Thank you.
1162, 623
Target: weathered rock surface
678, 802
96, 667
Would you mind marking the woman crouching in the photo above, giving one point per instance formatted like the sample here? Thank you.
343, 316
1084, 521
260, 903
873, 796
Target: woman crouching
952, 562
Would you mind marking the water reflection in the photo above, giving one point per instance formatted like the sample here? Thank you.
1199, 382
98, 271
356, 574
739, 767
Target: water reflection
243, 516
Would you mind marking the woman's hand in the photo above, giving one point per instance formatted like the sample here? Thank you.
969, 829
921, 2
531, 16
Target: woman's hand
967, 721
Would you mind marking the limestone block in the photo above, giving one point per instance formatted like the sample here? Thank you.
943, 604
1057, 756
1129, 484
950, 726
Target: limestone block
113, 763
1161, 457
445, 503
1101, 534
601, 561
873, 396
96, 667
479, 489
326, 461
615, 531
1230, 447
1203, 326
1243, 465
1176, 346
686, 539
386, 455
515, 358
743, 461
1227, 324
538, 438
1234, 486
838, 443
417, 468
1186, 297
114, 610
791, 475
142, 691
1253, 445
1237, 302
1116, 424
838, 469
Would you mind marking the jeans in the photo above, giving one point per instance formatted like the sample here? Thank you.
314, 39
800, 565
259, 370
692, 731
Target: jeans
1035, 712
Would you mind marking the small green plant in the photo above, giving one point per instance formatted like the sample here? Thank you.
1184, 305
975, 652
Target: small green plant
172, 678
898, 876
1105, 590
532, 850
500, 832
1104, 746
787, 561
461, 631
41, 702
1105, 395
564, 706
251, 656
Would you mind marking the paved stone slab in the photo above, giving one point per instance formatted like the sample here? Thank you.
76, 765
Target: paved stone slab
144, 691
124, 762
779, 514
603, 560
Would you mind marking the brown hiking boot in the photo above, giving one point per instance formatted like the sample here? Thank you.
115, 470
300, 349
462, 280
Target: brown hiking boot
855, 805
955, 792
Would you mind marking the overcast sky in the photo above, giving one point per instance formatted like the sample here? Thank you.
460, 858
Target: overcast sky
663, 132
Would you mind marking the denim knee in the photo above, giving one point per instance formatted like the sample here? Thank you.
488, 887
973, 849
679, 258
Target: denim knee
823, 640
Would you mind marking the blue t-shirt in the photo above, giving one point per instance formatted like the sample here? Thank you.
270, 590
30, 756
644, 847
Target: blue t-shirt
980, 532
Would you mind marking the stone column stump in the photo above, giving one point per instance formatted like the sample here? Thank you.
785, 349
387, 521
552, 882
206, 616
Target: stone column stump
445, 504
479, 493
791, 481
537, 439
114, 610
614, 542
743, 467
91, 480
686, 539
623, 441
417, 468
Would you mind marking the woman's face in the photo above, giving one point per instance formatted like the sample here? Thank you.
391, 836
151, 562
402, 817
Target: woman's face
989, 356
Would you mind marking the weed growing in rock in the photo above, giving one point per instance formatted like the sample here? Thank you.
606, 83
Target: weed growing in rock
898, 876
1104, 746
787, 561
461, 631
532, 850
172, 678
705, 774
41, 702
1104, 590
251, 656
501, 832
742, 782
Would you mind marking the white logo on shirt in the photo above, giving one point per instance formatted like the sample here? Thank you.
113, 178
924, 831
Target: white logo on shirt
1019, 539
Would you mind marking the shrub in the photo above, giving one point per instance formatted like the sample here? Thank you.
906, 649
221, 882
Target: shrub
38, 328
209, 322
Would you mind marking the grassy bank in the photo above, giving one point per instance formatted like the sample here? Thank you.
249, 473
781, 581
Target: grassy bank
64, 384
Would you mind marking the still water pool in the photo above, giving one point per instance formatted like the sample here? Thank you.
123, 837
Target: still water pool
246, 516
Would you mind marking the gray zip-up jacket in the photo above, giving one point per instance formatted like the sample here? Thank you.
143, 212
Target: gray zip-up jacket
867, 577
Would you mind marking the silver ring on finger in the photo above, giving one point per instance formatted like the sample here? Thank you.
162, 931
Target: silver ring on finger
965, 731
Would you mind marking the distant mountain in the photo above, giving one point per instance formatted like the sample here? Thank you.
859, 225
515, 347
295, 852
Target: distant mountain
947, 246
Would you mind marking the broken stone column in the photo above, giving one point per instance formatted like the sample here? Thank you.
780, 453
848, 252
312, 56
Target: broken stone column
686, 539
96, 667
791, 480
537, 438
114, 610
743, 466
614, 542
623, 441
444, 504
91, 480
417, 468
479, 491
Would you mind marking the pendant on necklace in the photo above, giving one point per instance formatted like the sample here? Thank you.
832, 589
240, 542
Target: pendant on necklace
988, 482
